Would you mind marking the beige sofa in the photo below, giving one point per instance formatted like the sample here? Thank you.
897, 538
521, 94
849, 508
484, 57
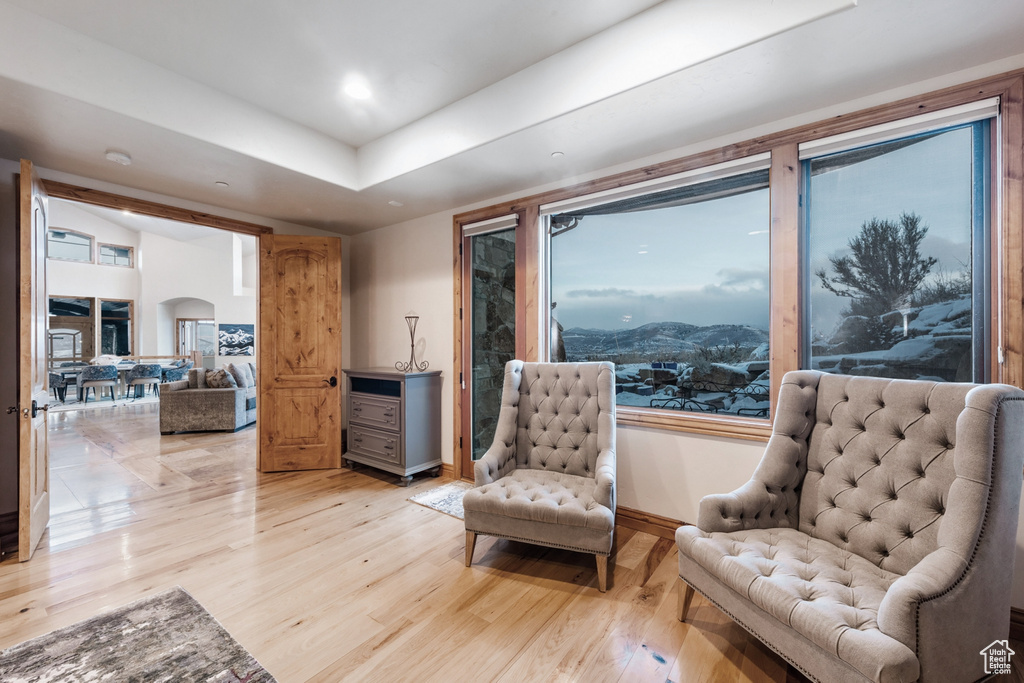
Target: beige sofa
876, 538
189, 405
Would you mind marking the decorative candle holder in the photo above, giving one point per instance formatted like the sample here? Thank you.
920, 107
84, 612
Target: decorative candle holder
412, 365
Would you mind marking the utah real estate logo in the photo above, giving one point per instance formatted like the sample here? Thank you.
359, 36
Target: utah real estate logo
997, 657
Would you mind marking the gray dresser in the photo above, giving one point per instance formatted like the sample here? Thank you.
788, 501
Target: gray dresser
394, 421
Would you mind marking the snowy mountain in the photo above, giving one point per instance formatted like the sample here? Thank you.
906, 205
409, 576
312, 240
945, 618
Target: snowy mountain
663, 341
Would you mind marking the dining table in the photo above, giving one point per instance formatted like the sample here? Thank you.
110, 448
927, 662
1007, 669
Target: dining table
122, 372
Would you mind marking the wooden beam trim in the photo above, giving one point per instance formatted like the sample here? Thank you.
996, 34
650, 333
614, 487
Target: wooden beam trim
1011, 224
784, 329
58, 190
457, 359
695, 423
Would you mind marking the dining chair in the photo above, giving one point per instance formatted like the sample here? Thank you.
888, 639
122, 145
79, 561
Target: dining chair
97, 377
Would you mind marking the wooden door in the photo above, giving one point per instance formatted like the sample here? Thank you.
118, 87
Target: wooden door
33, 449
299, 365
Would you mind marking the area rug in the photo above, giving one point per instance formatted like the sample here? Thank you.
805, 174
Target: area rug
446, 498
166, 637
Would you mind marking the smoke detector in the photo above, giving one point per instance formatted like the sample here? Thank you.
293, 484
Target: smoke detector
119, 157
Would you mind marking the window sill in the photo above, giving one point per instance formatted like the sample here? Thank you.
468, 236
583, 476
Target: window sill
709, 425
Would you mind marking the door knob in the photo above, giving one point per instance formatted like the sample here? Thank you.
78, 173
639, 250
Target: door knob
333, 381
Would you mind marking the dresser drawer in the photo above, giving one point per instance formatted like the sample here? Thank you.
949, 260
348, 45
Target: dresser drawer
374, 411
370, 442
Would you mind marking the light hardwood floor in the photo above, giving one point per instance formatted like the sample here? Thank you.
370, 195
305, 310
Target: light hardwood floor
336, 576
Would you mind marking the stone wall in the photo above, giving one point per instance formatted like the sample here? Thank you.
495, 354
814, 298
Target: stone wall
494, 338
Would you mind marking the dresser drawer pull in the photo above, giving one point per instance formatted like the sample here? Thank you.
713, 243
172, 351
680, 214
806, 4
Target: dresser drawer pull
358, 439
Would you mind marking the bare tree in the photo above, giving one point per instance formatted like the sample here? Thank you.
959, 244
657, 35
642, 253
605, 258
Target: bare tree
885, 268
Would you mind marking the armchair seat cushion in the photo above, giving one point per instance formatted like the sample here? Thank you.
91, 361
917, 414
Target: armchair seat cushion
536, 506
826, 594
541, 496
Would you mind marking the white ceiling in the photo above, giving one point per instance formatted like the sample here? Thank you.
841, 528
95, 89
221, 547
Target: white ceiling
469, 98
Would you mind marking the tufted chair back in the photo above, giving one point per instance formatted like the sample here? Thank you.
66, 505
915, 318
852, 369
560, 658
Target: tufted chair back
145, 371
564, 415
873, 461
99, 372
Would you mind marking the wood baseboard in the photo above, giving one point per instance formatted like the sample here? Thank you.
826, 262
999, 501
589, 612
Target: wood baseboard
1016, 623
447, 471
647, 522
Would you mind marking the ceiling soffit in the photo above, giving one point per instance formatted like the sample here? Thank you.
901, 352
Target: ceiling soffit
666, 39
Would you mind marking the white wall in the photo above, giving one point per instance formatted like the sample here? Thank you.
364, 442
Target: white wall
203, 270
70, 278
394, 270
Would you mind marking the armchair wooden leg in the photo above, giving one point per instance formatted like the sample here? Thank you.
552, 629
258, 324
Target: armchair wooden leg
470, 546
602, 572
685, 596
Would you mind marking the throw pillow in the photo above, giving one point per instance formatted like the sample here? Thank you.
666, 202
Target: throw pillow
250, 381
219, 378
236, 372
252, 369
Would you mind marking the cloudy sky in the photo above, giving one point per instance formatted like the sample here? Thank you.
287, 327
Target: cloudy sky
931, 179
707, 263
702, 264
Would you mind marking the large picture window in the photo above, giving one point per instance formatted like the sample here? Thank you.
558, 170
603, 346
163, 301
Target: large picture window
885, 242
897, 257
673, 287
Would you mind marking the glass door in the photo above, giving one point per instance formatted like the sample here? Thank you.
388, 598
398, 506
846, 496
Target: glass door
490, 337
493, 329
198, 335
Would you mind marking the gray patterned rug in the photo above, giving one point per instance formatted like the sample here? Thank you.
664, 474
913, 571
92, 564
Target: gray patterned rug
166, 637
446, 498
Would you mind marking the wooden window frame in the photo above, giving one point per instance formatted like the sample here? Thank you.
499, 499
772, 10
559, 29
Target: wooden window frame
92, 322
131, 254
92, 245
785, 333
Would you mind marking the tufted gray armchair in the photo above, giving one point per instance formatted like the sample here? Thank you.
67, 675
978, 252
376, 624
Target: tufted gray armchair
549, 476
875, 540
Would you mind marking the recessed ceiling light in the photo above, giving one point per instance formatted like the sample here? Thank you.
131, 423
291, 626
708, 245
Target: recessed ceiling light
395, 202
357, 89
557, 155
221, 183
119, 157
